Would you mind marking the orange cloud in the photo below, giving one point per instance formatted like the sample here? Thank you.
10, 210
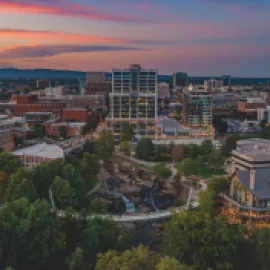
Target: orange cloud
63, 36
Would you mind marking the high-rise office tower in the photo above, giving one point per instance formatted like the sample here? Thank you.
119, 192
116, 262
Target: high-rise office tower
180, 79
212, 84
133, 100
197, 108
96, 83
226, 80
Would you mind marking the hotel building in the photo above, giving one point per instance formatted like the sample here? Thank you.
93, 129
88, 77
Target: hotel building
133, 101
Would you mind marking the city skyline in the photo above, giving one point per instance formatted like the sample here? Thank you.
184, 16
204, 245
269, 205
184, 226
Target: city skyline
200, 37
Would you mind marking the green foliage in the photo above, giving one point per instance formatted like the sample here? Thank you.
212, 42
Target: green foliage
90, 126
145, 149
126, 133
162, 153
20, 186
77, 261
162, 170
91, 163
91, 147
98, 206
9, 163
215, 159
125, 147
140, 258
263, 123
30, 234
220, 125
106, 145
209, 199
169, 263
265, 133
206, 148
197, 239
229, 145
63, 193
177, 153
187, 167
99, 236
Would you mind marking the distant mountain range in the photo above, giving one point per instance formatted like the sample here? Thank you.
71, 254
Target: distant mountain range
38, 74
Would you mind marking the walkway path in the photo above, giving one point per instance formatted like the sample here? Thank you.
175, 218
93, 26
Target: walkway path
125, 218
101, 178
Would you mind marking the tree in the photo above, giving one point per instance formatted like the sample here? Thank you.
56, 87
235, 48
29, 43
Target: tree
169, 263
99, 236
229, 145
162, 170
187, 167
3, 176
125, 147
17, 141
91, 147
126, 133
209, 199
145, 149
195, 238
91, 163
265, 133
106, 145
206, 147
9, 163
98, 206
262, 248
177, 153
63, 193
216, 159
136, 258
162, 153
220, 125
263, 123
31, 236
20, 186
90, 126
77, 261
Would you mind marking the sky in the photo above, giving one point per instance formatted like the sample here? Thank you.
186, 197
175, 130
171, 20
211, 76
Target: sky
200, 37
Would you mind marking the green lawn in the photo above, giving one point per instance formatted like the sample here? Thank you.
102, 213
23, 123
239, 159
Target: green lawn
206, 172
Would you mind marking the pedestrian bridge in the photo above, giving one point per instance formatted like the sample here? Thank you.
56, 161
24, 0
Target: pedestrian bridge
125, 217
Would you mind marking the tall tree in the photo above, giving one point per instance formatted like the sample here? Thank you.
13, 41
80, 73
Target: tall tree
20, 186
162, 170
265, 133
77, 261
31, 236
63, 193
99, 236
229, 145
206, 147
106, 145
187, 167
145, 149
125, 147
137, 258
91, 163
215, 159
126, 133
178, 153
9, 163
197, 239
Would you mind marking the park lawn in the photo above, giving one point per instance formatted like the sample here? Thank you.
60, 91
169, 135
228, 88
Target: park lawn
206, 172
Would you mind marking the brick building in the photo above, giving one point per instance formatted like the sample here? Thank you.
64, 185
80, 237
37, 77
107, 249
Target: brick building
251, 105
28, 103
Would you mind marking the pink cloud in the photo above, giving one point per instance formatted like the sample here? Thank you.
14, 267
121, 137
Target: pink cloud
64, 8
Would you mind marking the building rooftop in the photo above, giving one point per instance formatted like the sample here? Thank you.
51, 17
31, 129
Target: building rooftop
255, 149
262, 182
42, 150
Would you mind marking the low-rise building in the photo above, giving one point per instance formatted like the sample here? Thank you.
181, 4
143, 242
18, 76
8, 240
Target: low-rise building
35, 154
75, 114
248, 201
251, 154
251, 105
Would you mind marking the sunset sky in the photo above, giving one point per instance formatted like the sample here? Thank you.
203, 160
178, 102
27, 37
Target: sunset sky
201, 37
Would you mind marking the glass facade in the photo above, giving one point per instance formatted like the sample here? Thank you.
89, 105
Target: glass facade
133, 99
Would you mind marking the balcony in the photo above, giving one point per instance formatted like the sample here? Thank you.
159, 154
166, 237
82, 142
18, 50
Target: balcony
244, 210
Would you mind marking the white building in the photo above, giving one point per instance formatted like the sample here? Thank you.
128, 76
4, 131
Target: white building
212, 84
35, 154
163, 89
264, 114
